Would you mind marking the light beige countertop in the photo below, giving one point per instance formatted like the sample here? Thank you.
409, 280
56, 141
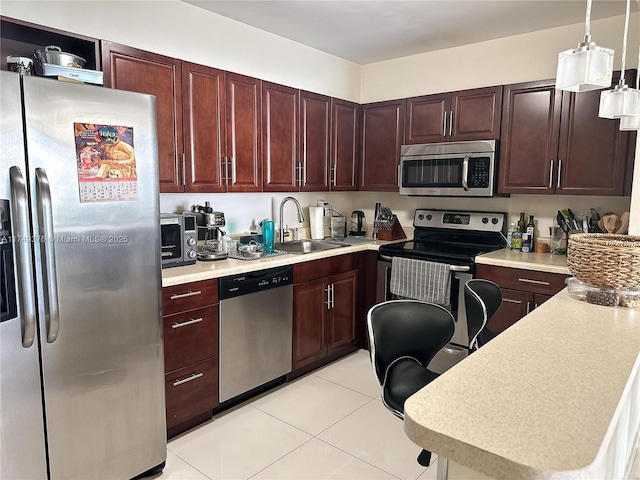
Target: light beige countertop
541, 262
221, 268
542, 400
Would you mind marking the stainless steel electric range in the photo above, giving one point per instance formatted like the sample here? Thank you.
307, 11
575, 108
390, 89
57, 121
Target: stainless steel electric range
453, 237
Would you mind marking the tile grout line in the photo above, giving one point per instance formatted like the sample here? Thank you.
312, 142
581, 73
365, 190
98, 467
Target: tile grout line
192, 466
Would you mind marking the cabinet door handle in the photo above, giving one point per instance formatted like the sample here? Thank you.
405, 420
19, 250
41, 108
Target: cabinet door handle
537, 282
233, 170
444, 125
226, 170
333, 175
175, 296
188, 322
328, 302
559, 170
184, 170
333, 296
508, 300
528, 308
450, 122
190, 378
551, 175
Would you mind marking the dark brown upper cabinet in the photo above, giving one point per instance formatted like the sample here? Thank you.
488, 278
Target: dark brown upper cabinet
345, 141
554, 142
127, 68
454, 116
243, 114
280, 138
204, 129
382, 137
315, 135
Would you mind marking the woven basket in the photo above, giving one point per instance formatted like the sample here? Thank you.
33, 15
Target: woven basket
605, 260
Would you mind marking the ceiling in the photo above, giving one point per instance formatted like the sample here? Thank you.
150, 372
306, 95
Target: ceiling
365, 31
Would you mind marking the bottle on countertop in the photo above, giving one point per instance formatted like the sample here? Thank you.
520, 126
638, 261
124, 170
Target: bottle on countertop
527, 236
510, 230
522, 223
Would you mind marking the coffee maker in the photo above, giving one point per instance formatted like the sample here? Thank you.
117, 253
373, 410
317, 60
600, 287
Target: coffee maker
209, 230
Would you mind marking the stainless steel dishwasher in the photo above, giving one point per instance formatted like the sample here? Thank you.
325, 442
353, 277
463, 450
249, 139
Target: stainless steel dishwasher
256, 317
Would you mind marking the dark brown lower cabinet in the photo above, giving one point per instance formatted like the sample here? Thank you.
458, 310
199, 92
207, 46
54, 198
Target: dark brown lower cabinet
191, 394
522, 291
324, 310
190, 354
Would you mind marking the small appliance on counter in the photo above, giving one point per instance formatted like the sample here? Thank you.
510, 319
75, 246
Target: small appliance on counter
358, 225
209, 229
178, 239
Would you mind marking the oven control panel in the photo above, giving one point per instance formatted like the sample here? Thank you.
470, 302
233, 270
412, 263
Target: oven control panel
462, 220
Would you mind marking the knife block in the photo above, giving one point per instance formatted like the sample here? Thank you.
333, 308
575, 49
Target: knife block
395, 233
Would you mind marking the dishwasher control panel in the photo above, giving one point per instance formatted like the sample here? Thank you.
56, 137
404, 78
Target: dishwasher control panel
244, 284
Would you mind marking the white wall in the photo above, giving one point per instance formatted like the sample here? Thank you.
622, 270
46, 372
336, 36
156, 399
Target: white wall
180, 30
520, 58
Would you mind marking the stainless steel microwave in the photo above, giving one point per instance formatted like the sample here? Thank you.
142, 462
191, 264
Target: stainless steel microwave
178, 233
454, 169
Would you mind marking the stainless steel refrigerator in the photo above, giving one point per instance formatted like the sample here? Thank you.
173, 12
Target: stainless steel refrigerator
81, 356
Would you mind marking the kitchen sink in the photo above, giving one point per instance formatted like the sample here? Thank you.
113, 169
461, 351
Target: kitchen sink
306, 246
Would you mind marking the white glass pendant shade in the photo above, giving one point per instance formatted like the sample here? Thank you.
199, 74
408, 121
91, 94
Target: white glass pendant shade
620, 102
630, 123
585, 68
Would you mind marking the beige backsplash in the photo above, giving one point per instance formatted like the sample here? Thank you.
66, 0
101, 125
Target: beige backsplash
243, 211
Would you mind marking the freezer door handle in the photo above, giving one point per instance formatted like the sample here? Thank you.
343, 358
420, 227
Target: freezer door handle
22, 244
48, 252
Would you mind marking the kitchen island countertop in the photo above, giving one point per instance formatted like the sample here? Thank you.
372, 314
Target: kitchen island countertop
541, 262
552, 397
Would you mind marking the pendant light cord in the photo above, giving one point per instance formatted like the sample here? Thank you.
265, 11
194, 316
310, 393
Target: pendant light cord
587, 22
624, 42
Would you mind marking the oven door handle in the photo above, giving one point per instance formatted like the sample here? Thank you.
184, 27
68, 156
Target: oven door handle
452, 268
459, 268
465, 172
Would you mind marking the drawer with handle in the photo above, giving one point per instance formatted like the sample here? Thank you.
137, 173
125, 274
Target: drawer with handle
521, 279
190, 337
191, 391
189, 296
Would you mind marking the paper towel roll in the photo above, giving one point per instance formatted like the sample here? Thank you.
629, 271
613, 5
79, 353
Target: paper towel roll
316, 222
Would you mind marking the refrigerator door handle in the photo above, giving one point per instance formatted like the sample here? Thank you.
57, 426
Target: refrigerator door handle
22, 243
45, 226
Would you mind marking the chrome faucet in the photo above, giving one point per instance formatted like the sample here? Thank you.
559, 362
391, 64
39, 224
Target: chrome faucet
300, 216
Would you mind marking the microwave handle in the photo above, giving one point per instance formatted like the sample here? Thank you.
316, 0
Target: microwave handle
399, 175
465, 173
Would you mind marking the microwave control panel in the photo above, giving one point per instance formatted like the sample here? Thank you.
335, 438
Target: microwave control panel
479, 172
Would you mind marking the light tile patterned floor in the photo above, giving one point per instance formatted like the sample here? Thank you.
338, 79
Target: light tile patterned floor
329, 424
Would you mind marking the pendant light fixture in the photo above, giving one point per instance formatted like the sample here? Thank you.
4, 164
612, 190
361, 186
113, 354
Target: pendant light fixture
632, 123
587, 67
622, 101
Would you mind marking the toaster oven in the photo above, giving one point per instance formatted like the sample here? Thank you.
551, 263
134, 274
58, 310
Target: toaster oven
178, 233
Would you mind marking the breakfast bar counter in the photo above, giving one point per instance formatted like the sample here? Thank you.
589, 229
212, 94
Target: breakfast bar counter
555, 396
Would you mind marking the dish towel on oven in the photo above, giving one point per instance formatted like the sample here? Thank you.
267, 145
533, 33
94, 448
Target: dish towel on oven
421, 280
